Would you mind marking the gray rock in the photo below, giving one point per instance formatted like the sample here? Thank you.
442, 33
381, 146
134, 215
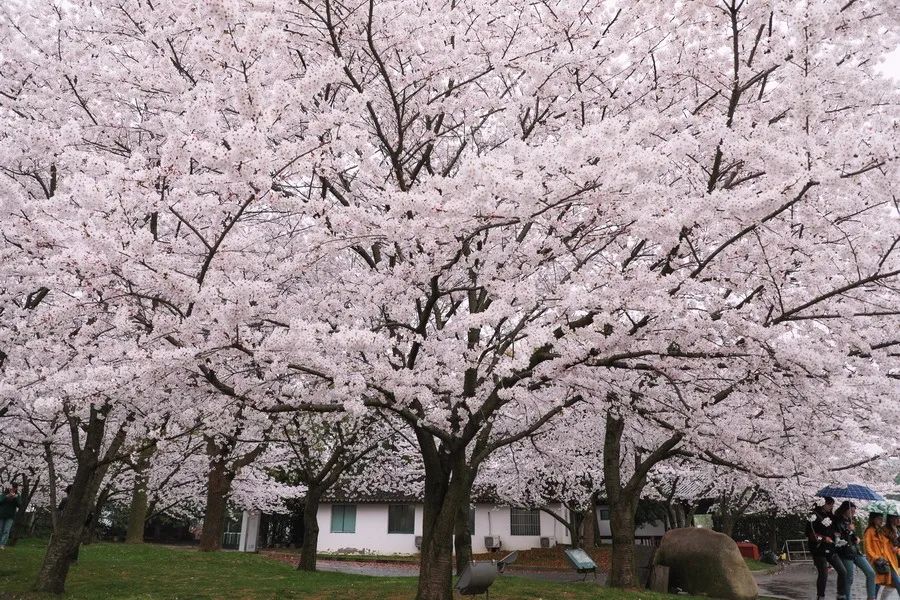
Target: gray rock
702, 561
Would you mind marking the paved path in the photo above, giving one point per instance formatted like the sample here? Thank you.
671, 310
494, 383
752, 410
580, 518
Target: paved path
386, 569
798, 582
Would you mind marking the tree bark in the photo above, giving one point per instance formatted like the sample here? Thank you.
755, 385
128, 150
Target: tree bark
19, 521
773, 533
447, 488
70, 522
728, 522
89, 534
462, 537
621, 522
589, 525
689, 515
677, 515
218, 486
575, 526
137, 513
58, 557
624, 496
310, 530
621, 507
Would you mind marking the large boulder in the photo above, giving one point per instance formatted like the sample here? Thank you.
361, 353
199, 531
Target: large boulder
702, 561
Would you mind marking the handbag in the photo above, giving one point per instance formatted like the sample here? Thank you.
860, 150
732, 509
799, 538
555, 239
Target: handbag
882, 566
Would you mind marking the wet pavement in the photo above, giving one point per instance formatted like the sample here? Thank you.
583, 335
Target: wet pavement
797, 581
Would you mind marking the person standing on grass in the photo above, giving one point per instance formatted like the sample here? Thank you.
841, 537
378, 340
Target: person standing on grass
881, 553
846, 544
9, 505
820, 533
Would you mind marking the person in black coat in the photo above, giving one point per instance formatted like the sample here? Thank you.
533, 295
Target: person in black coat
846, 544
820, 528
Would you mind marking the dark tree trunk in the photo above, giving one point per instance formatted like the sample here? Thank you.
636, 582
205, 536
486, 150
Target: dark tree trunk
137, 513
70, 521
58, 557
622, 505
310, 530
218, 486
89, 534
21, 518
773, 533
677, 515
621, 522
447, 488
90, 528
624, 496
727, 524
589, 525
462, 537
436, 559
689, 515
574, 525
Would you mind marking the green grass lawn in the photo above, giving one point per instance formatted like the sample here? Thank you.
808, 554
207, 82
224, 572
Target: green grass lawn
755, 565
145, 572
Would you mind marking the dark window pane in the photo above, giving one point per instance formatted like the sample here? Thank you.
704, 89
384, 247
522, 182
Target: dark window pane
472, 521
524, 521
343, 518
401, 518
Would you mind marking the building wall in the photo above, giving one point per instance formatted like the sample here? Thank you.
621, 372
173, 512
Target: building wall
494, 520
371, 536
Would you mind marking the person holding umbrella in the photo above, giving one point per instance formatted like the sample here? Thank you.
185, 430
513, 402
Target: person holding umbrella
846, 544
881, 553
820, 533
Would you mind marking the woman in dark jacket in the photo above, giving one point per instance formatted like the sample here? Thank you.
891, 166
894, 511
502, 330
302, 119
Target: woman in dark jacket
846, 544
9, 504
820, 534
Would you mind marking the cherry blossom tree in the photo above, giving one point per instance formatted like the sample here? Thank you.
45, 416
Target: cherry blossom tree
321, 453
474, 217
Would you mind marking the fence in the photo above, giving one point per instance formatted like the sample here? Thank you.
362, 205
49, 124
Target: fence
639, 540
797, 551
231, 539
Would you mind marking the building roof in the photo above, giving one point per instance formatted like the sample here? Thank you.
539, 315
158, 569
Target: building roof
480, 495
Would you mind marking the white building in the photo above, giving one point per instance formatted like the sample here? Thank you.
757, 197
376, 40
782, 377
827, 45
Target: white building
396, 528
392, 524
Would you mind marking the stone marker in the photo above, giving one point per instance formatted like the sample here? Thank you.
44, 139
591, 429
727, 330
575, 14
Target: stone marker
702, 561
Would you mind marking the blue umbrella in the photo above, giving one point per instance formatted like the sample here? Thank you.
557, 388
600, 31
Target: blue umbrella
850, 491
